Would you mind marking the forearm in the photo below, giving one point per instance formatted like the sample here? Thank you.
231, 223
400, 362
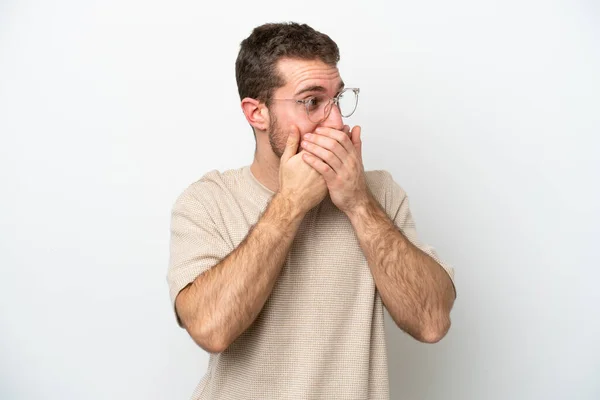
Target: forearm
416, 290
224, 301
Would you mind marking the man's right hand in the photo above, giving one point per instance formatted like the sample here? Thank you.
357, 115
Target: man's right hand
298, 181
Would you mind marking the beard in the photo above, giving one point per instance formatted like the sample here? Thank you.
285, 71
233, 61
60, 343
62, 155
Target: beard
277, 137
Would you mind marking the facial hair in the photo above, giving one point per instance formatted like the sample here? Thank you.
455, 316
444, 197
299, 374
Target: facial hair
277, 137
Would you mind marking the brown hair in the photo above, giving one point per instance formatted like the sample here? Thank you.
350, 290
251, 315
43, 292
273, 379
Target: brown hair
256, 65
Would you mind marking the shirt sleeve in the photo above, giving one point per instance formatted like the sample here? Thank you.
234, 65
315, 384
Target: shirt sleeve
403, 219
196, 244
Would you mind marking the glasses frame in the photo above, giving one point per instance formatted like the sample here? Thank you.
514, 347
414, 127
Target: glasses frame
330, 102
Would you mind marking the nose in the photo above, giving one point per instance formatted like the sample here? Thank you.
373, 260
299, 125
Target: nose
334, 119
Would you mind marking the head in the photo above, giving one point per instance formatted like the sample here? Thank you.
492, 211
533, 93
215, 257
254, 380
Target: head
279, 63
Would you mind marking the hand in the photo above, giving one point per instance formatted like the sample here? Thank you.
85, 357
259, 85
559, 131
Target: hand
298, 181
337, 156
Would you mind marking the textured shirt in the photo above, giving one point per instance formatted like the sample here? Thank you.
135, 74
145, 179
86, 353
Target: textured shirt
320, 334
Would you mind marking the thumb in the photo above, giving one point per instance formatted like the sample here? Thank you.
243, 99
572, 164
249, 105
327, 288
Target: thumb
291, 147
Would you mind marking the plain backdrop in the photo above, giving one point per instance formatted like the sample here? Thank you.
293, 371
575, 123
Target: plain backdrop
486, 112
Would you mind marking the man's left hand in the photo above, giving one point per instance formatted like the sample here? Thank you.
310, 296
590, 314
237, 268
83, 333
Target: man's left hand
337, 156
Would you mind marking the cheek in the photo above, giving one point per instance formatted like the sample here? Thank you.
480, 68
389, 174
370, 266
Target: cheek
306, 126
295, 117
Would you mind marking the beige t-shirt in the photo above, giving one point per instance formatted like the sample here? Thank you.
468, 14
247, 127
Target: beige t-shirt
320, 335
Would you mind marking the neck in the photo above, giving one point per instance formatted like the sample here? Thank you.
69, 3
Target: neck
265, 168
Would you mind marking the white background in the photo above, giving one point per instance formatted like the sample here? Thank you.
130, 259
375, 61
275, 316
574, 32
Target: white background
486, 113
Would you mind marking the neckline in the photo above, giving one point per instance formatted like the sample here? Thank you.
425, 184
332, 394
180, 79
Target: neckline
247, 172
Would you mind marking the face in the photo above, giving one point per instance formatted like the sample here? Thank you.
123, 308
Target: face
303, 79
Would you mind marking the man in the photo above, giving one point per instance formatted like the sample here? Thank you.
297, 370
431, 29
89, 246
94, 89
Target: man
281, 269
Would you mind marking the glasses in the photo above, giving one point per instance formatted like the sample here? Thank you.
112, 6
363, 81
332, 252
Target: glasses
318, 107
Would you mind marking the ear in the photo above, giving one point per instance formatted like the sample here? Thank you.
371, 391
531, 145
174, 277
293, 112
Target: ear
256, 113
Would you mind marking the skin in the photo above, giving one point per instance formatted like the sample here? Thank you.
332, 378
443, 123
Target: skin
302, 162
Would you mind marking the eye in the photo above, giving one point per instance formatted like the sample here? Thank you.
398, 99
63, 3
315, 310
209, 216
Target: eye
313, 103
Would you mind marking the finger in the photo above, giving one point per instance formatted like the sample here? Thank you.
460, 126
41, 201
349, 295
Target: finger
355, 134
327, 143
291, 146
340, 136
324, 154
356, 140
346, 130
321, 167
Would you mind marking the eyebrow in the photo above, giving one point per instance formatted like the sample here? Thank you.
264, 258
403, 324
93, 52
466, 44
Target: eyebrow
318, 88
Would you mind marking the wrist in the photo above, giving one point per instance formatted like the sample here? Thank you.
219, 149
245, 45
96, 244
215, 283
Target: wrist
286, 209
362, 208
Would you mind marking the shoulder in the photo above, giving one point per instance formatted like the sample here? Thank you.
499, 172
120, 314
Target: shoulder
385, 189
211, 187
378, 179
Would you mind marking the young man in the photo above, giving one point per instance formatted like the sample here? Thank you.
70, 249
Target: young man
281, 269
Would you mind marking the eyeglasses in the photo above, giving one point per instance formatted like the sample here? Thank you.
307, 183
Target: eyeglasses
318, 107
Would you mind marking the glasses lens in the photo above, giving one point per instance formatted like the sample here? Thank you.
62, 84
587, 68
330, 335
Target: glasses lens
318, 108
348, 102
